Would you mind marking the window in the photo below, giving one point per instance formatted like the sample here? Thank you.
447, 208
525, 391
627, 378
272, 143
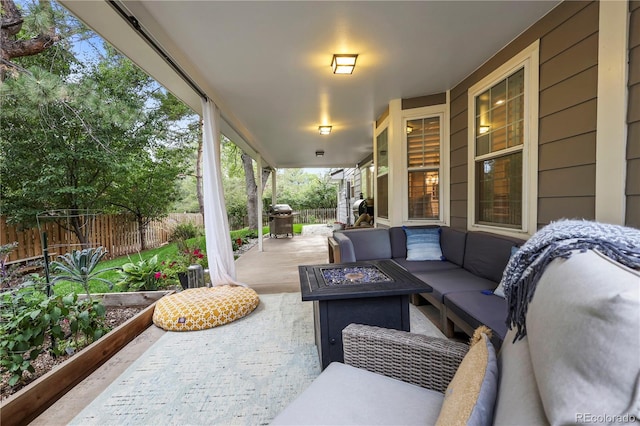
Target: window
382, 174
502, 147
423, 166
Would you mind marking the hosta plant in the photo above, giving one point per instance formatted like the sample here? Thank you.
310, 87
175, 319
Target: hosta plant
142, 275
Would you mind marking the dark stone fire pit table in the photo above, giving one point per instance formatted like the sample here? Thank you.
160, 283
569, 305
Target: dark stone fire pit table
374, 292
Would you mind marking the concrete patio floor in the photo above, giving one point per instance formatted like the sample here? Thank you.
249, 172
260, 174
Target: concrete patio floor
274, 270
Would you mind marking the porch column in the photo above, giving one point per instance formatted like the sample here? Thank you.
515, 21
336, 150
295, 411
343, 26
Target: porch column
259, 201
611, 133
222, 269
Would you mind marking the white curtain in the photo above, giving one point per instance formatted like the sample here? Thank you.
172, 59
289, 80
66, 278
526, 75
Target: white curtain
222, 268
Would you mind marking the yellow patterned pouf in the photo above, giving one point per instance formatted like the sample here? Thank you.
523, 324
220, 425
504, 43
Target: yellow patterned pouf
202, 308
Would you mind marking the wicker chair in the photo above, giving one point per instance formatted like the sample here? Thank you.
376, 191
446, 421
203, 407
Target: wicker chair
418, 370
429, 362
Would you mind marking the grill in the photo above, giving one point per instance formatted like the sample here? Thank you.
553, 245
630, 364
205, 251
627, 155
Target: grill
362, 206
280, 220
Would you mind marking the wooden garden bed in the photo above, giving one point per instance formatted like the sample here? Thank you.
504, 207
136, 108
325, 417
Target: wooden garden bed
29, 402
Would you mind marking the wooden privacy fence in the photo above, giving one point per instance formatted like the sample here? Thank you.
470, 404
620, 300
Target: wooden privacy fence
117, 233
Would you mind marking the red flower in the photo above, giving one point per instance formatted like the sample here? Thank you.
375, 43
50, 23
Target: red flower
158, 275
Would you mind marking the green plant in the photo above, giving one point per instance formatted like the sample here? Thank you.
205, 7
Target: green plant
79, 266
185, 231
27, 317
142, 275
190, 254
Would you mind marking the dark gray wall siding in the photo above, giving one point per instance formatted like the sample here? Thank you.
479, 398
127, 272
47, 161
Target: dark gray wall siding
553, 155
458, 161
567, 113
423, 101
633, 119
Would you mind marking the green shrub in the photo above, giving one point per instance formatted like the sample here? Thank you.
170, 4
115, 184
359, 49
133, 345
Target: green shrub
185, 231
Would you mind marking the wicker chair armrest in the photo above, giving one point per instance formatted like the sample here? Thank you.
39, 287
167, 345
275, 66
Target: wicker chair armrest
429, 362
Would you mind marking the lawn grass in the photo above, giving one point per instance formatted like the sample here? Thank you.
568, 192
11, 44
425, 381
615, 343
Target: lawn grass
165, 252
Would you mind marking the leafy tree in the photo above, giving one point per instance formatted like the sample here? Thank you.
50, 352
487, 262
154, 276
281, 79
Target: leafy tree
68, 139
148, 185
20, 37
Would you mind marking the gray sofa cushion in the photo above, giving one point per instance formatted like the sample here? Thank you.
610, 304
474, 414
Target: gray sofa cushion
486, 255
583, 326
347, 395
452, 242
444, 282
425, 265
476, 309
518, 395
369, 244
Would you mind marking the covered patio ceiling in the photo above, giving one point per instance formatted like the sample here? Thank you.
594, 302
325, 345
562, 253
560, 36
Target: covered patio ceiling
266, 64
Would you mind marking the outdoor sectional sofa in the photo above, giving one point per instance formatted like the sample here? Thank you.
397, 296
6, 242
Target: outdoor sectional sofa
462, 283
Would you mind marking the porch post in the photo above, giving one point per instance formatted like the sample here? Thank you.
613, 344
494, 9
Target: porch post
259, 201
611, 130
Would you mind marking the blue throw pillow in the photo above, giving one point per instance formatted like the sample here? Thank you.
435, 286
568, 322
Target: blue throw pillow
423, 243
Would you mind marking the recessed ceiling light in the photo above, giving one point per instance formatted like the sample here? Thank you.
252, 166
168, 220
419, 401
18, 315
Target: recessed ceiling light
324, 130
343, 64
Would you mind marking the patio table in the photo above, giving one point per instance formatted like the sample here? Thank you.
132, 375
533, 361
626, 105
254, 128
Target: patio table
373, 292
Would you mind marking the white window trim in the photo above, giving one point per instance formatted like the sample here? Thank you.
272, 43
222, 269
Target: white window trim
440, 111
529, 57
384, 125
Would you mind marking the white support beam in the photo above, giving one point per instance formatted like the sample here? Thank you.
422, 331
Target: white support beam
611, 133
259, 202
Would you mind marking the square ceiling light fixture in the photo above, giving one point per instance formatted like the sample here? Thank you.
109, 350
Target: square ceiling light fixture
324, 130
343, 64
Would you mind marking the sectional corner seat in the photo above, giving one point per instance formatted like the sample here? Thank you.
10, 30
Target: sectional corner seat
462, 284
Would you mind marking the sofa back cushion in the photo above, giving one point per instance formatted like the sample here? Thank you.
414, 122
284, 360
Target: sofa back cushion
486, 255
370, 243
518, 395
583, 327
452, 242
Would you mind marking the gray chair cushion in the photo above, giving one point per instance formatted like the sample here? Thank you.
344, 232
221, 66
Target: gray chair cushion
345, 395
486, 255
452, 242
444, 282
425, 265
370, 244
476, 309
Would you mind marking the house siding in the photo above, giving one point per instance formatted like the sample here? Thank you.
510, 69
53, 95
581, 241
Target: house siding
567, 114
424, 101
632, 216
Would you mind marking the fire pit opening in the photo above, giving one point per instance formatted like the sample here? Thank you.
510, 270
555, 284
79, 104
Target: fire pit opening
346, 275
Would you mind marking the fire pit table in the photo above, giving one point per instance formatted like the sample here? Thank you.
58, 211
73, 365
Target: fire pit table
373, 292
